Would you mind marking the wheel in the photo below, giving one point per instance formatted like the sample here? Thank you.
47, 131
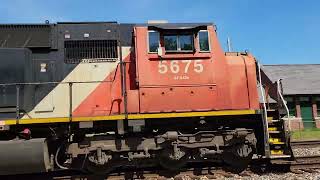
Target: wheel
97, 169
167, 161
92, 166
238, 158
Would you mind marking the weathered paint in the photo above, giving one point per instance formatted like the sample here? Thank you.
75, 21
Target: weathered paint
204, 81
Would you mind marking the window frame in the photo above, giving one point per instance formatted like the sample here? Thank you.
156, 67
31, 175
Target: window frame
148, 41
164, 42
291, 104
208, 41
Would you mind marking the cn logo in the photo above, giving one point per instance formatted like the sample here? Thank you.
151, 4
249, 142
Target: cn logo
176, 66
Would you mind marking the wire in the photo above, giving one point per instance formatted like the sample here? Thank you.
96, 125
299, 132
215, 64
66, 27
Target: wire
85, 158
56, 159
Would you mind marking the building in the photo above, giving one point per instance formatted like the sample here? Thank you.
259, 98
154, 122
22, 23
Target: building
301, 88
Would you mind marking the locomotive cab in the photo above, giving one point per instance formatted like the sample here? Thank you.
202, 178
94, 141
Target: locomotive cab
181, 68
171, 66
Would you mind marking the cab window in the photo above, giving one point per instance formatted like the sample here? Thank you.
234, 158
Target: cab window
154, 39
185, 42
203, 41
177, 43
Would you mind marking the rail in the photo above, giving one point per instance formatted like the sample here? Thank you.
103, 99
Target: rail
305, 162
264, 107
283, 102
305, 144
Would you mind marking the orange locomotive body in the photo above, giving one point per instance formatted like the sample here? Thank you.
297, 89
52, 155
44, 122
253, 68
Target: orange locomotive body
177, 81
131, 95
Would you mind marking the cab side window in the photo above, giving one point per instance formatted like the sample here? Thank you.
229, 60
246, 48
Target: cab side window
154, 41
203, 37
186, 42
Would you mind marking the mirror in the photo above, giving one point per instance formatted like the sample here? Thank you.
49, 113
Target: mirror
159, 51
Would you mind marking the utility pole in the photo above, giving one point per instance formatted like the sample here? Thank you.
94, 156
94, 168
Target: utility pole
229, 44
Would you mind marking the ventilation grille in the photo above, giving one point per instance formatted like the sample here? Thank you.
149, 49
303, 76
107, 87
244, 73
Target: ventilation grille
89, 51
25, 36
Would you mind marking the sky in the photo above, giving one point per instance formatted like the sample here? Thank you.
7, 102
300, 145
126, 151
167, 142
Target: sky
274, 31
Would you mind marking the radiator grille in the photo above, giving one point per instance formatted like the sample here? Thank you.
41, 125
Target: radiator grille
25, 36
87, 51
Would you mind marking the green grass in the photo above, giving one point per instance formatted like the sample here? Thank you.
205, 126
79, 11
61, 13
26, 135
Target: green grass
307, 134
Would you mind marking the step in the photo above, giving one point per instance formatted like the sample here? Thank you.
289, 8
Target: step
274, 132
272, 129
274, 120
276, 152
279, 156
274, 140
277, 143
270, 118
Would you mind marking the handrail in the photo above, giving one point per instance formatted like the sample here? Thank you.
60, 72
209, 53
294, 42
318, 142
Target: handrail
263, 100
284, 103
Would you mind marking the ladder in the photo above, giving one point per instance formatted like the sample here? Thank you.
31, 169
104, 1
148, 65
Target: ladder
276, 132
279, 142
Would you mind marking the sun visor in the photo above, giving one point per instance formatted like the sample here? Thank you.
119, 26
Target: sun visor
179, 26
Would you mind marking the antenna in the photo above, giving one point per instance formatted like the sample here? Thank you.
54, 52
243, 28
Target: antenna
229, 45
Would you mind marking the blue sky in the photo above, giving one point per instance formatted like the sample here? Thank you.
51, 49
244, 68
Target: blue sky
276, 32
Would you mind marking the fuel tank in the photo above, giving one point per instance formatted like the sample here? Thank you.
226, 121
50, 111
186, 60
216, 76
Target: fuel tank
24, 156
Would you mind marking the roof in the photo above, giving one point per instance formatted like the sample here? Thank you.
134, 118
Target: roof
178, 25
296, 78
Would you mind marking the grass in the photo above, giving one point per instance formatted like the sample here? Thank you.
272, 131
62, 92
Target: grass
307, 134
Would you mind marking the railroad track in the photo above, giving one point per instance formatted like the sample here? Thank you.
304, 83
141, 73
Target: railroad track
147, 173
301, 164
191, 173
305, 144
306, 162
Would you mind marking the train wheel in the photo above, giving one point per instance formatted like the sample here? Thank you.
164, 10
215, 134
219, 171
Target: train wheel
238, 158
173, 159
99, 163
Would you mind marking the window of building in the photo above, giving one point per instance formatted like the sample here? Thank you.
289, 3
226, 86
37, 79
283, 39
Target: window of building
77, 51
318, 105
291, 106
174, 43
203, 37
154, 39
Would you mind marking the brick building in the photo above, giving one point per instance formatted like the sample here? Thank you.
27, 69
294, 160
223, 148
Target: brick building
301, 88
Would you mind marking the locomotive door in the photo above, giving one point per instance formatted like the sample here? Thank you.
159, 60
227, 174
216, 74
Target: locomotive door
44, 74
174, 81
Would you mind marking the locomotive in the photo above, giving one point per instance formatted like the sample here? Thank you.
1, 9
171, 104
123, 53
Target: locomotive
97, 96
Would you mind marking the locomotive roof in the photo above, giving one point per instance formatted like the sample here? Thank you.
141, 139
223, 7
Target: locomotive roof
40, 35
